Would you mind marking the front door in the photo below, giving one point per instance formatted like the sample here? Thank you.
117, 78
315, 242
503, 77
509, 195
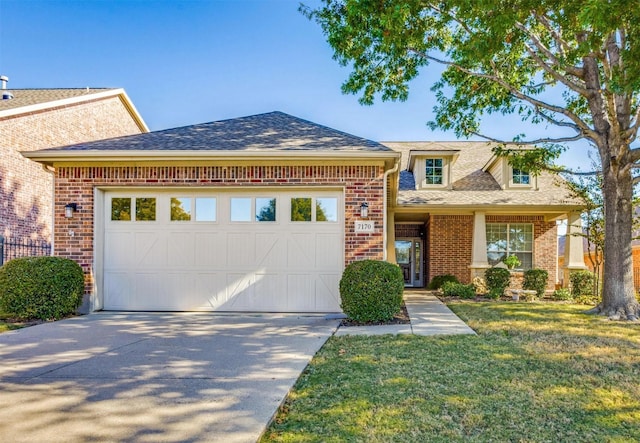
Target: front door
409, 258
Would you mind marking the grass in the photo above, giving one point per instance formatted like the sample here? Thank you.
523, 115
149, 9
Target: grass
8, 324
536, 372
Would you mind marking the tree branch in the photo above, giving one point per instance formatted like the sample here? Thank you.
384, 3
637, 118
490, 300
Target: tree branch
561, 44
586, 130
531, 142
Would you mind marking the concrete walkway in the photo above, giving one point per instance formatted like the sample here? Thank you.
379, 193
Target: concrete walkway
428, 315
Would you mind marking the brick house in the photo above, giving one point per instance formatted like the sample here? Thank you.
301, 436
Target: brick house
262, 213
32, 119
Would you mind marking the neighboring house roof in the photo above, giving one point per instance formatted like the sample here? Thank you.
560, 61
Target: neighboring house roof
470, 185
26, 101
256, 135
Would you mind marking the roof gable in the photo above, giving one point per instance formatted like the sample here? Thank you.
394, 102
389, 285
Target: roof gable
30, 97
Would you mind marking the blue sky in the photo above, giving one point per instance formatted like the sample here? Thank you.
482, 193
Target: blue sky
187, 62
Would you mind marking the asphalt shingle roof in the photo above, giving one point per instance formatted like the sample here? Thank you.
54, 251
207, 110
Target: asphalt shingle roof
471, 186
29, 97
273, 131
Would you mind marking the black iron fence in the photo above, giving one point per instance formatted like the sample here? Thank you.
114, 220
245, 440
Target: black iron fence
11, 248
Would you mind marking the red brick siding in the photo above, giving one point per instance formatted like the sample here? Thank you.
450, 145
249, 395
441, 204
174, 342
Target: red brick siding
76, 184
450, 239
25, 188
450, 246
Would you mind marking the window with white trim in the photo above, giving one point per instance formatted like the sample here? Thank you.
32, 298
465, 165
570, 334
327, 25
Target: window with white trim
505, 239
434, 171
520, 177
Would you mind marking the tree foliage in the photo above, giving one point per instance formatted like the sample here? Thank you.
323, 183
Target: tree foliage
571, 65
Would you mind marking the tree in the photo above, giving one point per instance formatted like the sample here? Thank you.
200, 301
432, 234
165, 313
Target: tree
572, 65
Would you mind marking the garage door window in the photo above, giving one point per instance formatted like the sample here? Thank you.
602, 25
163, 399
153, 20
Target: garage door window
180, 209
145, 209
265, 209
205, 209
327, 209
121, 209
301, 209
240, 209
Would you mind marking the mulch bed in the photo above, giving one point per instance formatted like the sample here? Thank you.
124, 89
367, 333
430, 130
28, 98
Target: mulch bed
401, 318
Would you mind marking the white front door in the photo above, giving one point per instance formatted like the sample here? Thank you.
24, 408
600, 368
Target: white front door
263, 250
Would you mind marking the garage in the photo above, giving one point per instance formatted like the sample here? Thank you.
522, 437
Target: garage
258, 250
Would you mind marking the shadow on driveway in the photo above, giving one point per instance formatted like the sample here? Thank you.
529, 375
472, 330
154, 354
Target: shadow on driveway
152, 376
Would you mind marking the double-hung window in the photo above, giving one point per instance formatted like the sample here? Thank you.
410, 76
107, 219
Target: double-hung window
505, 239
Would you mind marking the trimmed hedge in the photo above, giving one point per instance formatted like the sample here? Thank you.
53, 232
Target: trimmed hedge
497, 280
581, 283
536, 280
439, 280
42, 288
371, 290
452, 289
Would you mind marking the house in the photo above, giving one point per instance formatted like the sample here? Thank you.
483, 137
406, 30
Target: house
262, 213
32, 119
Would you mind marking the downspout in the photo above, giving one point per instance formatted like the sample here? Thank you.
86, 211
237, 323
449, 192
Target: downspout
51, 170
384, 208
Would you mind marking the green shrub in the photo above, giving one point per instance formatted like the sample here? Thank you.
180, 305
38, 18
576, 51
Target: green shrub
495, 293
497, 279
453, 289
40, 287
581, 283
536, 280
439, 280
562, 294
371, 290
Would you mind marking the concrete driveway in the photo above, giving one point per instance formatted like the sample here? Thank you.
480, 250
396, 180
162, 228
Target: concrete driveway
152, 377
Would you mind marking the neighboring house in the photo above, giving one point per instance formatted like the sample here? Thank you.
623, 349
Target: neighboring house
32, 119
589, 256
262, 213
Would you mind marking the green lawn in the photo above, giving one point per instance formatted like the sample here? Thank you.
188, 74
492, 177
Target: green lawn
535, 373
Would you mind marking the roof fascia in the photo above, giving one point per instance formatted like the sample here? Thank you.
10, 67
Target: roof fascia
80, 99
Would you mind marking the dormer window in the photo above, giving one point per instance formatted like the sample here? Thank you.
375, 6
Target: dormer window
520, 177
432, 168
434, 171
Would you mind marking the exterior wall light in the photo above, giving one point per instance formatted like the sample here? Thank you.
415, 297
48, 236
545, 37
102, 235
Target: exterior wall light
364, 210
69, 209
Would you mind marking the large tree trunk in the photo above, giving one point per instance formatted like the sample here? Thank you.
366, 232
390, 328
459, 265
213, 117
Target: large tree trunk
618, 294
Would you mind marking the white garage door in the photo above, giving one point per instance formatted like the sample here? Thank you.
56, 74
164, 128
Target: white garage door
269, 251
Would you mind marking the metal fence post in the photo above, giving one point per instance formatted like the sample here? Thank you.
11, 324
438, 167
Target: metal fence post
1, 250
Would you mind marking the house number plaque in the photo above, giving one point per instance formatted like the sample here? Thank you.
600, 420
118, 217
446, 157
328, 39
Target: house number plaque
365, 226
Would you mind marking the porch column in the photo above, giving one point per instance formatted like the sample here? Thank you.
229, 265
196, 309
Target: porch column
573, 247
391, 237
479, 261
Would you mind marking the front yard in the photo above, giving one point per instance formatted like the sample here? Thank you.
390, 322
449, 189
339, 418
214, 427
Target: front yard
535, 372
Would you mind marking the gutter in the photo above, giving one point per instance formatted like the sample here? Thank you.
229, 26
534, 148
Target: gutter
384, 208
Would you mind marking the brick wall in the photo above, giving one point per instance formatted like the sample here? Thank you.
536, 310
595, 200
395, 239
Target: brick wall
25, 188
450, 245
76, 184
450, 240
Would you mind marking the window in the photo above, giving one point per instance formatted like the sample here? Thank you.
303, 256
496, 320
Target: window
265, 209
180, 209
327, 209
240, 209
520, 177
121, 209
434, 171
505, 239
301, 209
145, 209
205, 209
